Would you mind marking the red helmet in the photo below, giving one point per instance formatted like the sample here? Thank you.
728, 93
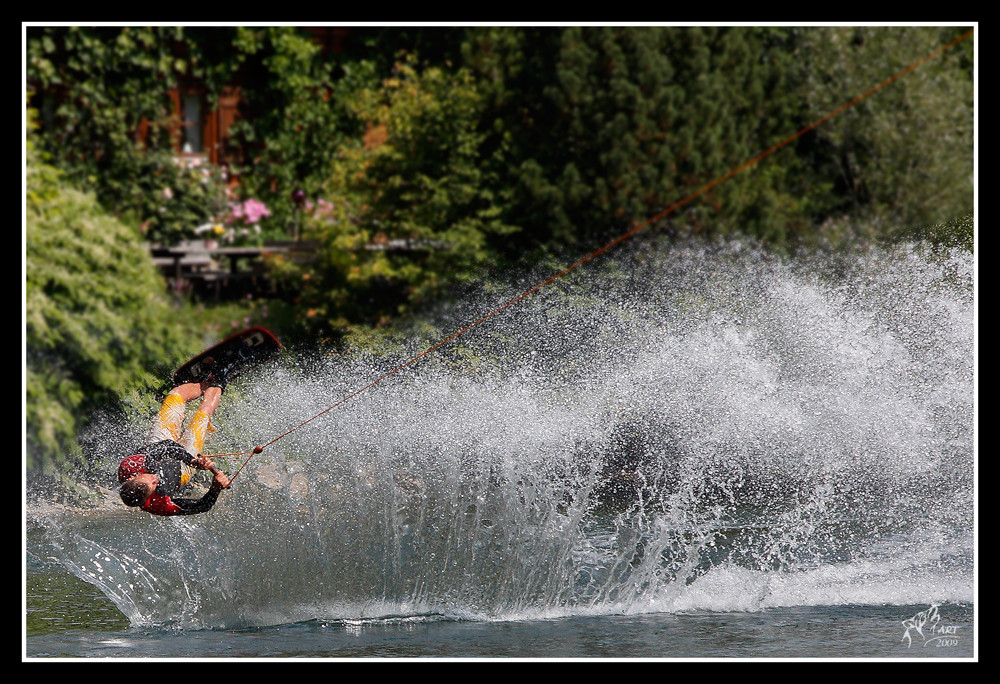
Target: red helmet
131, 466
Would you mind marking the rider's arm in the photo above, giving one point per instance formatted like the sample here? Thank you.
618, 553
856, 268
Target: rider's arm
194, 506
205, 503
165, 505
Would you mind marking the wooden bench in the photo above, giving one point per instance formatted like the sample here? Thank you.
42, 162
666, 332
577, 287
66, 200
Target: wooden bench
183, 258
216, 272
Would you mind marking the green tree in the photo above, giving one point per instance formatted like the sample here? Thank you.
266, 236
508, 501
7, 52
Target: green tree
603, 126
97, 318
99, 88
289, 121
96, 87
904, 155
410, 205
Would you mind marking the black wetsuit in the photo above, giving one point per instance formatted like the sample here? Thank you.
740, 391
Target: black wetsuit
164, 459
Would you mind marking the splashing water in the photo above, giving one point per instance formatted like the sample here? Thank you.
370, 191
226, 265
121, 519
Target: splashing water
683, 429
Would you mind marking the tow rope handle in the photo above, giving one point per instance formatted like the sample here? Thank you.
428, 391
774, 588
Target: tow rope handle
256, 450
215, 471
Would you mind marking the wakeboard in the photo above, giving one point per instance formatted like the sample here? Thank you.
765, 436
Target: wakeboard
230, 357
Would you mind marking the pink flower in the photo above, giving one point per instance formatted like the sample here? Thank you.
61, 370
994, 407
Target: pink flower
254, 211
250, 211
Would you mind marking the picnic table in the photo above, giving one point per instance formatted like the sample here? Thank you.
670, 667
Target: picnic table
208, 266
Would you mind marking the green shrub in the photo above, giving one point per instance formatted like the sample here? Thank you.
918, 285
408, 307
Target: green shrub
409, 207
97, 318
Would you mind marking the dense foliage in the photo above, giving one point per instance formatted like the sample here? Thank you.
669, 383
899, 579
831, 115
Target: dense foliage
402, 216
905, 156
579, 131
96, 313
97, 89
289, 119
621, 122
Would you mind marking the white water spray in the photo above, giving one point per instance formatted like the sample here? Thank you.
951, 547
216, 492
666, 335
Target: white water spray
677, 430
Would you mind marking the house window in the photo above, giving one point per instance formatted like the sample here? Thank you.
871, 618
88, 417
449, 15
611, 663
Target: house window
204, 133
193, 124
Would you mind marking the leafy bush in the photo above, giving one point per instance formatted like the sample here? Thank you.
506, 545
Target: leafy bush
172, 199
97, 88
409, 208
97, 318
110, 123
905, 155
289, 120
